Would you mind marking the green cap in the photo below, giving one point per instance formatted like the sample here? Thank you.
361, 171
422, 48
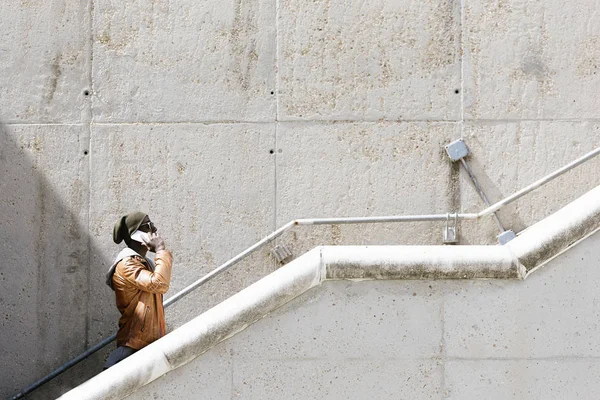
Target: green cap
126, 225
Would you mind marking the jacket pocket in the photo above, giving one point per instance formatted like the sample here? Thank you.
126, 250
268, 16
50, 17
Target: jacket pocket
145, 317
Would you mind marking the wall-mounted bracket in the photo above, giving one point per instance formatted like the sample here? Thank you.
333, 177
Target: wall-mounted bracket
457, 151
451, 229
506, 236
282, 253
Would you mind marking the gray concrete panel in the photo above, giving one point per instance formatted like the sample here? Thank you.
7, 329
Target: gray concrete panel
401, 320
154, 62
210, 378
340, 340
526, 59
553, 313
43, 248
209, 188
44, 61
508, 156
523, 379
364, 169
369, 60
338, 379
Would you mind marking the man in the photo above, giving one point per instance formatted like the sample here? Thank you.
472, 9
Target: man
139, 284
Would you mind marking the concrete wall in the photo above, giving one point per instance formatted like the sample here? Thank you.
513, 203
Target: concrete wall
533, 339
226, 119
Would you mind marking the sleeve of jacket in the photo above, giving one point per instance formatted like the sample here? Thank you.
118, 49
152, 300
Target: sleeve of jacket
135, 273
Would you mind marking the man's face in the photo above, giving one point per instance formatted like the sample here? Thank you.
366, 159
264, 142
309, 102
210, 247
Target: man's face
147, 226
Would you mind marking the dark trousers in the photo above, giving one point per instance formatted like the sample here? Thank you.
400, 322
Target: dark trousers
117, 355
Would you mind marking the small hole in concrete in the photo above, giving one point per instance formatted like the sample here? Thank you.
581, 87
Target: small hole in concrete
85, 152
86, 92
457, 91
271, 151
272, 92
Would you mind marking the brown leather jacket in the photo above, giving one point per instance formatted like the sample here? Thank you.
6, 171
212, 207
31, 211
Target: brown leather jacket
139, 298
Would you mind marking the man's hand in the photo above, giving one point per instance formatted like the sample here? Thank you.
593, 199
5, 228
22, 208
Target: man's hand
154, 243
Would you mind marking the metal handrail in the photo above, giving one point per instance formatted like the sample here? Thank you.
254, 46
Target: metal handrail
320, 221
496, 206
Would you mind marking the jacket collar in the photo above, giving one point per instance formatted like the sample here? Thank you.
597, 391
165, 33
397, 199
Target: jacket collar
126, 252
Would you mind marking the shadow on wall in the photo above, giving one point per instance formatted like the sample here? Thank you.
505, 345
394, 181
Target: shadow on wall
45, 251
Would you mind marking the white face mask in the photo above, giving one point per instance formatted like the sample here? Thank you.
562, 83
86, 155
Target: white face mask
139, 236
